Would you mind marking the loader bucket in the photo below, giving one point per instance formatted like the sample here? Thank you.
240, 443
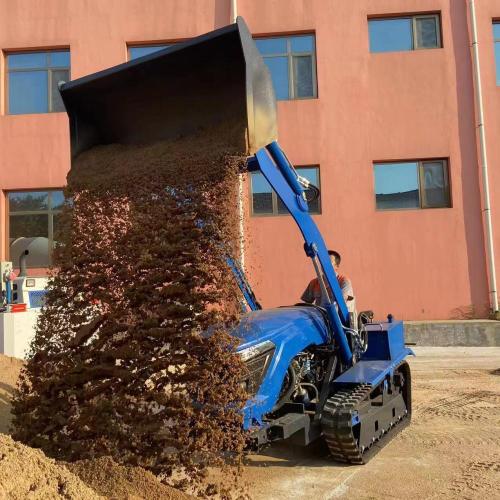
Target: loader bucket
211, 80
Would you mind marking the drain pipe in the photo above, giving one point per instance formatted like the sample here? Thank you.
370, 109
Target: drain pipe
234, 10
241, 212
484, 165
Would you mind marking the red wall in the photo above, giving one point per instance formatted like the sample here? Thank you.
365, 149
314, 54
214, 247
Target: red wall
417, 264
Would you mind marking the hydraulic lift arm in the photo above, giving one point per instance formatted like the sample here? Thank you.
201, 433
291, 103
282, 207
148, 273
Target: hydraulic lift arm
283, 178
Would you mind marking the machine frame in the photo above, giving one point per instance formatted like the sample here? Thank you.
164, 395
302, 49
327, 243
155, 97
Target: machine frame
303, 328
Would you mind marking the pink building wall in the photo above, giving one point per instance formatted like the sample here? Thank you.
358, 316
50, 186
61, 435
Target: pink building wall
417, 264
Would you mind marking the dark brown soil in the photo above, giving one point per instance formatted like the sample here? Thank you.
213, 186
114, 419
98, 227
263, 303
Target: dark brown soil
121, 364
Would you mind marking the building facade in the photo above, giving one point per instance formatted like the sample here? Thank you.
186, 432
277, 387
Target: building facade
376, 105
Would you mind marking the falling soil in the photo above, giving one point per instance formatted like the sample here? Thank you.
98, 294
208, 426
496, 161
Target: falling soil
28, 473
132, 357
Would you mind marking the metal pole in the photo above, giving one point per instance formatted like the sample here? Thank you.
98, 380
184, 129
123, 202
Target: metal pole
484, 164
234, 10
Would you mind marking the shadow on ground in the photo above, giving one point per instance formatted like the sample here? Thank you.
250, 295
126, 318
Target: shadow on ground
285, 454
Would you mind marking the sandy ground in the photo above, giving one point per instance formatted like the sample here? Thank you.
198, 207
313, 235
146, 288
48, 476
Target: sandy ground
451, 449
28, 473
9, 373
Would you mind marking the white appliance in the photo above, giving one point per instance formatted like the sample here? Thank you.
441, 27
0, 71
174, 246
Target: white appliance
29, 290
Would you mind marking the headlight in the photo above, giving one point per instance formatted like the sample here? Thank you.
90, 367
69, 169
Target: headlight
255, 350
257, 360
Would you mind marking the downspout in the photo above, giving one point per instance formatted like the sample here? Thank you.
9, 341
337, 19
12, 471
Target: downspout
241, 212
488, 226
234, 10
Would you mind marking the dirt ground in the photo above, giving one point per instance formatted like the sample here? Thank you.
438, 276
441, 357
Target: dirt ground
450, 450
28, 473
9, 373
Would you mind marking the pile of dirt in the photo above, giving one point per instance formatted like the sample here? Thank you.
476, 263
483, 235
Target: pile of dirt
46, 478
109, 479
9, 373
132, 357
28, 473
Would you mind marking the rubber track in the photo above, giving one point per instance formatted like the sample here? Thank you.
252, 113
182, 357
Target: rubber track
337, 429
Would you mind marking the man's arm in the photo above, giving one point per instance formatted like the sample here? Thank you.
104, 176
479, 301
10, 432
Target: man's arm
308, 295
347, 290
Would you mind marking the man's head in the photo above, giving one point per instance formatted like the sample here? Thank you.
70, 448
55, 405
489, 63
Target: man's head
335, 258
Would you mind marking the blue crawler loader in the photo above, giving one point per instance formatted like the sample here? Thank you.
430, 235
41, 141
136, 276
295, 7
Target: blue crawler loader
313, 372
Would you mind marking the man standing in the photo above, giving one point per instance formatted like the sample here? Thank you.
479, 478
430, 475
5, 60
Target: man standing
312, 294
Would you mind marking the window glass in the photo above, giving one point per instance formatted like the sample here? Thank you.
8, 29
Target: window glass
271, 45
421, 184
32, 81
302, 43
427, 32
32, 218
497, 61
396, 185
496, 31
262, 197
388, 35
55, 228
59, 59
434, 184
144, 50
28, 201
303, 76
28, 60
28, 92
292, 64
266, 202
29, 226
496, 36
56, 200
278, 67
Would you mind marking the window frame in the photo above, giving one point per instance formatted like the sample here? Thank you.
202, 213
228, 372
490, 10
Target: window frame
274, 196
413, 17
50, 212
437, 18
421, 191
48, 69
289, 55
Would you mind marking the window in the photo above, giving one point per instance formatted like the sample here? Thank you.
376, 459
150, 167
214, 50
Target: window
33, 79
144, 50
266, 202
292, 63
404, 33
496, 41
415, 184
32, 220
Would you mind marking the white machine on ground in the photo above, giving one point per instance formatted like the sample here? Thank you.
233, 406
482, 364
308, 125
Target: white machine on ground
21, 299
